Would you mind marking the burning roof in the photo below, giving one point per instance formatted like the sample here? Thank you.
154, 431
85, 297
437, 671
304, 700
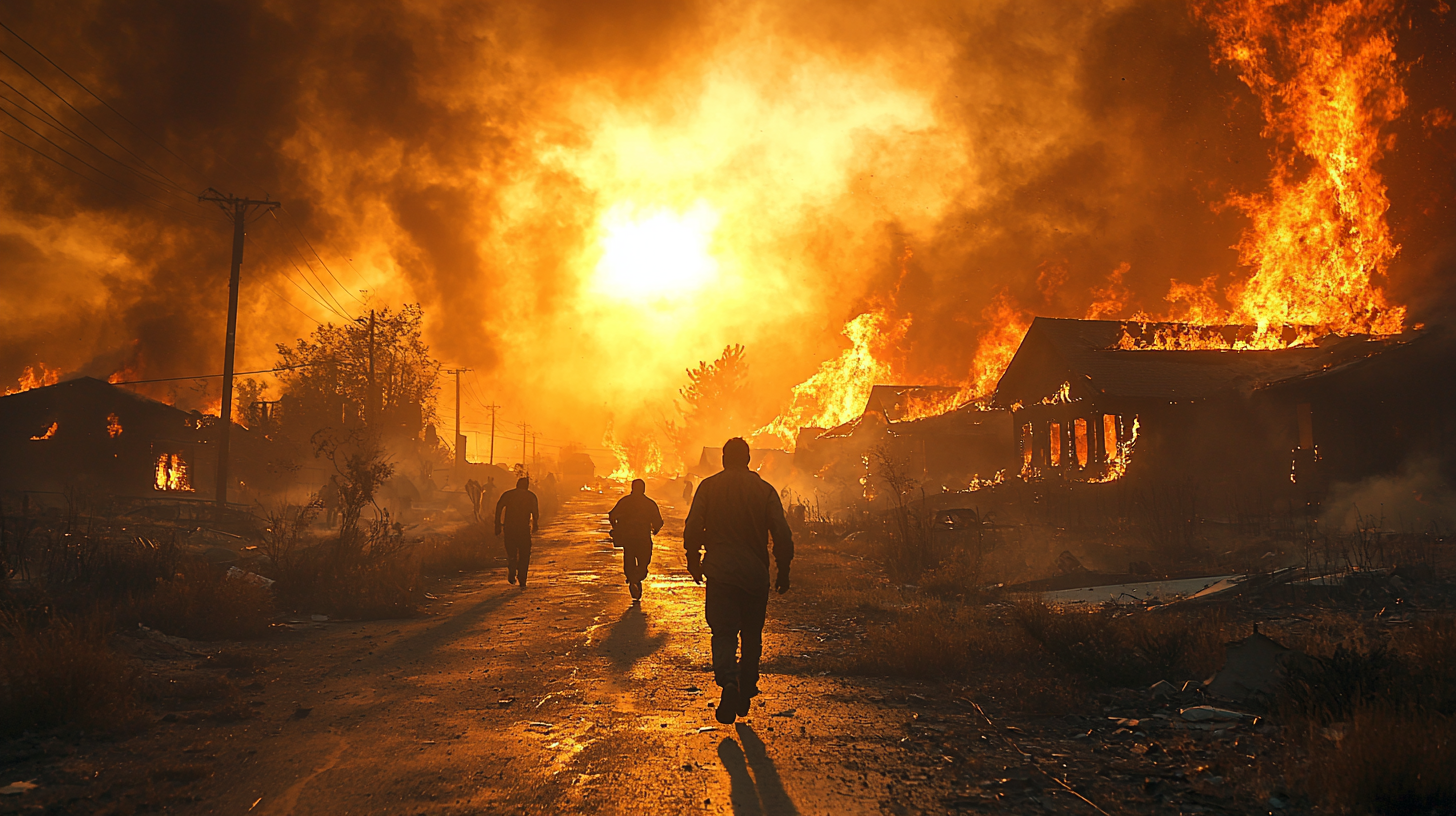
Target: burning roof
1090, 357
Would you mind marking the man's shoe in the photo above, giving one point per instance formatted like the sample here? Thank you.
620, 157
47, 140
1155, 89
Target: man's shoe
744, 701
728, 706
636, 589
511, 577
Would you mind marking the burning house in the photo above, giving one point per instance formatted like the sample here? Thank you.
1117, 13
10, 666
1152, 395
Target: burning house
90, 435
944, 447
1094, 399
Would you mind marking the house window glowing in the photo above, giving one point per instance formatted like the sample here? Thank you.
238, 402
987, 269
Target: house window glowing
1079, 440
113, 425
172, 473
1109, 436
1055, 439
47, 433
1026, 442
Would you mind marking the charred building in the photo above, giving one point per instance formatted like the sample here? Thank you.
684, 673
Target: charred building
86, 434
1094, 399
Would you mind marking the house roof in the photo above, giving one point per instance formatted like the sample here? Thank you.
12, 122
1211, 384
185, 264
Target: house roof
83, 390
1084, 354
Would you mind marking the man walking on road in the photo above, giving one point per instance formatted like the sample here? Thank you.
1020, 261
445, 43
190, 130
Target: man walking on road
518, 514
733, 514
635, 520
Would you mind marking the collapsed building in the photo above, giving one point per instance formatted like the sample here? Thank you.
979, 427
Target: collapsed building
86, 434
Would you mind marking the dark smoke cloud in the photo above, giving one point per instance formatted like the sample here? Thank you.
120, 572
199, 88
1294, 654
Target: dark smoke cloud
451, 153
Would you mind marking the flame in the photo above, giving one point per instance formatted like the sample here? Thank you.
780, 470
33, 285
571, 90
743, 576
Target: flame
1062, 396
922, 406
49, 432
996, 346
113, 425
1117, 465
173, 474
1137, 336
1110, 300
37, 376
637, 456
840, 389
1318, 242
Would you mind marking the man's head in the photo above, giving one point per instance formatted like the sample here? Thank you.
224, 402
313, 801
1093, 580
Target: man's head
639, 486
523, 482
735, 453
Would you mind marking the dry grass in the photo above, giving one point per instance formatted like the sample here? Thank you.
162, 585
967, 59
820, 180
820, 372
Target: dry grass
62, 672
202, 605
931, 640
1388, 761
1127, 648
467, 549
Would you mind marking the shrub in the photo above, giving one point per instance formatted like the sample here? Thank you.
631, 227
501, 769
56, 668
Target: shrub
62, 672
202, 605
471, 547
1126, 649
930, 640
1386, 761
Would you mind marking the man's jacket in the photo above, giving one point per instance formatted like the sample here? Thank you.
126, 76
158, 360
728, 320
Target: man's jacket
517, 510
733, 514
635, 519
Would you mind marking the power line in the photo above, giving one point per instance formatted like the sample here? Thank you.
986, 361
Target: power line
124, 188
108, 106
56, 123
315, 296
213, 376
327, 292
294, 222
68, 104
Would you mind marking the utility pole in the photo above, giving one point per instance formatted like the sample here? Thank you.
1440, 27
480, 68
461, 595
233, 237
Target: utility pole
492, 408
459, 440
239, 209
369, 397
525, 429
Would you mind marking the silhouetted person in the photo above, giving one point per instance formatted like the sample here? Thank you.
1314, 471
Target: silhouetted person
518, 514
635, 520
332, 496
733, 514
687, 490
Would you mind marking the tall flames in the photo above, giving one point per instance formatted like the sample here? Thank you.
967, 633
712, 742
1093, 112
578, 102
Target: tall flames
1318, 243
838, 391
1317, 246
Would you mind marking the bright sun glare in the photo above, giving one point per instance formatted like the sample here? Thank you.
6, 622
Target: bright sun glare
655, 253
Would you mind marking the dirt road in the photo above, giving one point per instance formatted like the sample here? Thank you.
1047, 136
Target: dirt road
562, 697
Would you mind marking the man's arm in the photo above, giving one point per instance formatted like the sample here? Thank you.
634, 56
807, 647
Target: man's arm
656, 519
694, 531
783, 540
535, 512
500, 507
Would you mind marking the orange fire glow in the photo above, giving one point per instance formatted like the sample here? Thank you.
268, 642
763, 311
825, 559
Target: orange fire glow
173, 474
1318, 244
113, 425
49, 432
839, 390
37, 376
637, 456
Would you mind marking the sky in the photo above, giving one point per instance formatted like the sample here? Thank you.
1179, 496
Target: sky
589, 198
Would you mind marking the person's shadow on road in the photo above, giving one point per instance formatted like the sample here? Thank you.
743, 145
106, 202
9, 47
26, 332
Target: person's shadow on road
755, 788
628, 641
